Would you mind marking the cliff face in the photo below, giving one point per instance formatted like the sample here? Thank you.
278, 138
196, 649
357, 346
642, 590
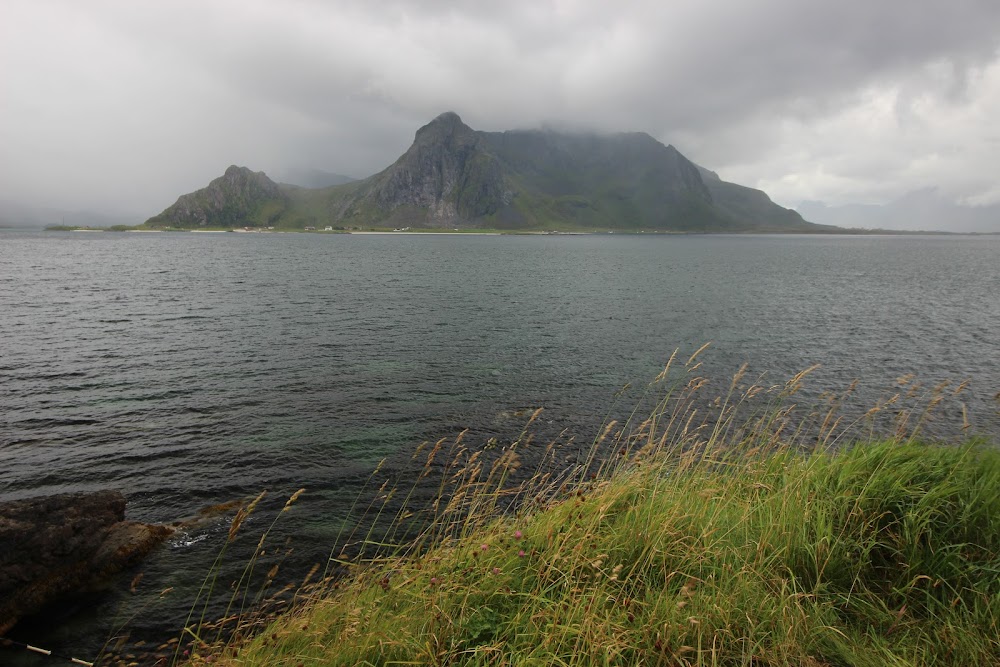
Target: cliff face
238, 197
447, 177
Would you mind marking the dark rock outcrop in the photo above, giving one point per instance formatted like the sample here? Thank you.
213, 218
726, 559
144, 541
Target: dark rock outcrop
60, 545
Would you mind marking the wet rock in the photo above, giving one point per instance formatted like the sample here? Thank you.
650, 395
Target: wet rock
61, 545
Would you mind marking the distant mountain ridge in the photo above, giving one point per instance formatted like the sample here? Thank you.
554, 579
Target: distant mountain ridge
926, 210
312, 178
454, 176
15, 214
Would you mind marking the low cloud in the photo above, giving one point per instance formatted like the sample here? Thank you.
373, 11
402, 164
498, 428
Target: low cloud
127, 105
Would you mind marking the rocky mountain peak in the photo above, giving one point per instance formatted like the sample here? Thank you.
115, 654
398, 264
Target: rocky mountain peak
447, 173
447, 129
448, 119
244, 178
235, 198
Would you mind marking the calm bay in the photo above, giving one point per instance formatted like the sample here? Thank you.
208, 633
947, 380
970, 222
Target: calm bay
192, 369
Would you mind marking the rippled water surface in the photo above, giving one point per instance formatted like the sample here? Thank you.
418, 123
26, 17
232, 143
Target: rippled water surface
192, 369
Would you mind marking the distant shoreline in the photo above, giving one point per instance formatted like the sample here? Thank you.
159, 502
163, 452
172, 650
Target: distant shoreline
525, 232
434, 233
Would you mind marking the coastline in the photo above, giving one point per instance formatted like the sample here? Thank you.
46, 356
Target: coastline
541, 232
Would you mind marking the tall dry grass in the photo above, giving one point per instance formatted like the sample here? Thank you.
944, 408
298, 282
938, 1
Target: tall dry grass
734, 529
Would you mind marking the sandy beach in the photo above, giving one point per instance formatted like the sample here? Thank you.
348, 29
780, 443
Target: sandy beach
431, 233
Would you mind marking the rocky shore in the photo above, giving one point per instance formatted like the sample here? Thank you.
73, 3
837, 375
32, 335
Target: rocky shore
52, 547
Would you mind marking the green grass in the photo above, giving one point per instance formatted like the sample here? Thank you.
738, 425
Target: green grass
731, 540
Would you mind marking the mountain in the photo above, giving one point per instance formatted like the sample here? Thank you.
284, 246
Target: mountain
454, 176
312, 178
926, 210
238, 197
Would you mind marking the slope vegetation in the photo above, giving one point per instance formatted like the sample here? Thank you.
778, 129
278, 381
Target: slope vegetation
744, 534
881, 555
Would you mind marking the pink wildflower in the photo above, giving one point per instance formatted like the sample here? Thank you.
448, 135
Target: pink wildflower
517, 534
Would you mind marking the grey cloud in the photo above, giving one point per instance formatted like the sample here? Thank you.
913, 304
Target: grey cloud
141, 102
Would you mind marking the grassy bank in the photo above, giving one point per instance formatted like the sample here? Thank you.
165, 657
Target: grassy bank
730, 540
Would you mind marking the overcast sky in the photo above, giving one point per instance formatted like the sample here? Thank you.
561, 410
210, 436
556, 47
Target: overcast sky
125, 105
